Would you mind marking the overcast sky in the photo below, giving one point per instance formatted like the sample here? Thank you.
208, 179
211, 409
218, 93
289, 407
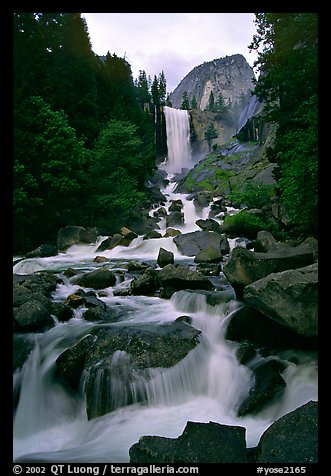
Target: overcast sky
172, 42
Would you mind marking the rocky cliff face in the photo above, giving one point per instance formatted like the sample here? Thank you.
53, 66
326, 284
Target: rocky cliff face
231, 77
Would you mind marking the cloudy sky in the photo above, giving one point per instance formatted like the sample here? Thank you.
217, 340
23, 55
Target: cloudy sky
172, 42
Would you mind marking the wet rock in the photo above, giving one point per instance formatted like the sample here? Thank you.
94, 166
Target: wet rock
74, 235
268, 384
289, 297
117, 360
199, 443
98, 279
291, 439
190, 244
178, 277
244, 266
165, 257
146, 284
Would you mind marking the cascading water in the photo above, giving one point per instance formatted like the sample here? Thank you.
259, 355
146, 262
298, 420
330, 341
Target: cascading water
178, 139
207, 385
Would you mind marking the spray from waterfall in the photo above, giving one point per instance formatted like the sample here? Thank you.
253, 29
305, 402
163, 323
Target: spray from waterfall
178, 139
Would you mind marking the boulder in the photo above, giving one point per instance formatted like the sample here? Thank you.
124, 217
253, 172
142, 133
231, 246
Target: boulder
22, 347
245, 266
171, 232
208, 255
34, 315
209, 225
268, 384
249, 325
289, 297
98, 279
146, 284
43, 251
190, 244
292, 439
175, 218
117, 361
74, 235
165, 257
199, 443
178, 277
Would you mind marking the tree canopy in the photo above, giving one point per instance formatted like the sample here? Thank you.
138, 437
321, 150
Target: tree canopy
287, 45
71, 107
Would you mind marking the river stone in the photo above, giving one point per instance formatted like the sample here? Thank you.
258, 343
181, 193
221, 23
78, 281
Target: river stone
244, 266
73, 235
98, 279
199, 443
289, 297
178, 277
165, 257
293, 439
117, 360
190, 244
268, 384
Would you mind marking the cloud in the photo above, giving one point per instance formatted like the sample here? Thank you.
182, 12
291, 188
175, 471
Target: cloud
172, 42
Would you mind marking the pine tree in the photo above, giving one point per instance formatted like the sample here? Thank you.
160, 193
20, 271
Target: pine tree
185, 102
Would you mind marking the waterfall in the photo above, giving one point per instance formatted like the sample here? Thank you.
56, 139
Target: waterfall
178, 139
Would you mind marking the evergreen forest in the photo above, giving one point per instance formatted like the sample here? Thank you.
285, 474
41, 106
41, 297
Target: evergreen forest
84, 139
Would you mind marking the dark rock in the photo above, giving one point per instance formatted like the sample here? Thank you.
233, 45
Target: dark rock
165, 257
179, 277
22, 347
152, 235
74, 235
146, 284
289, 297
34, 315
98, 279
176, 206
291, 439
209, 225
100, 314
134, 266
175, 218
208, 255
199, 443
190, 244
43, 251
118, 358
71, 363
244, 266
62, 312
268, 385
172, 232
249, 325
100, 259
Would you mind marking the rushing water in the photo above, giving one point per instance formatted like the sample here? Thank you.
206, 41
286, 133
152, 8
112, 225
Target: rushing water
50, 425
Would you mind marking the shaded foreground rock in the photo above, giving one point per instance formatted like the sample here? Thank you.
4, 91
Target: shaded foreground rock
199, 443
190, 244
244, 266
289, 297
268, 384
74, 235
291, 439
98, 279
116, 361
178, 277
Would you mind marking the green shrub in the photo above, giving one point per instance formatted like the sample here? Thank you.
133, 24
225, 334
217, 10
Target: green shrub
253, 195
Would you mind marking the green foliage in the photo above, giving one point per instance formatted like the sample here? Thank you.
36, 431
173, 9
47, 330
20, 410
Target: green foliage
185, 102
48, 167
210, 134
116, 174
248, 225
288, 87
253, 195
64, 96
